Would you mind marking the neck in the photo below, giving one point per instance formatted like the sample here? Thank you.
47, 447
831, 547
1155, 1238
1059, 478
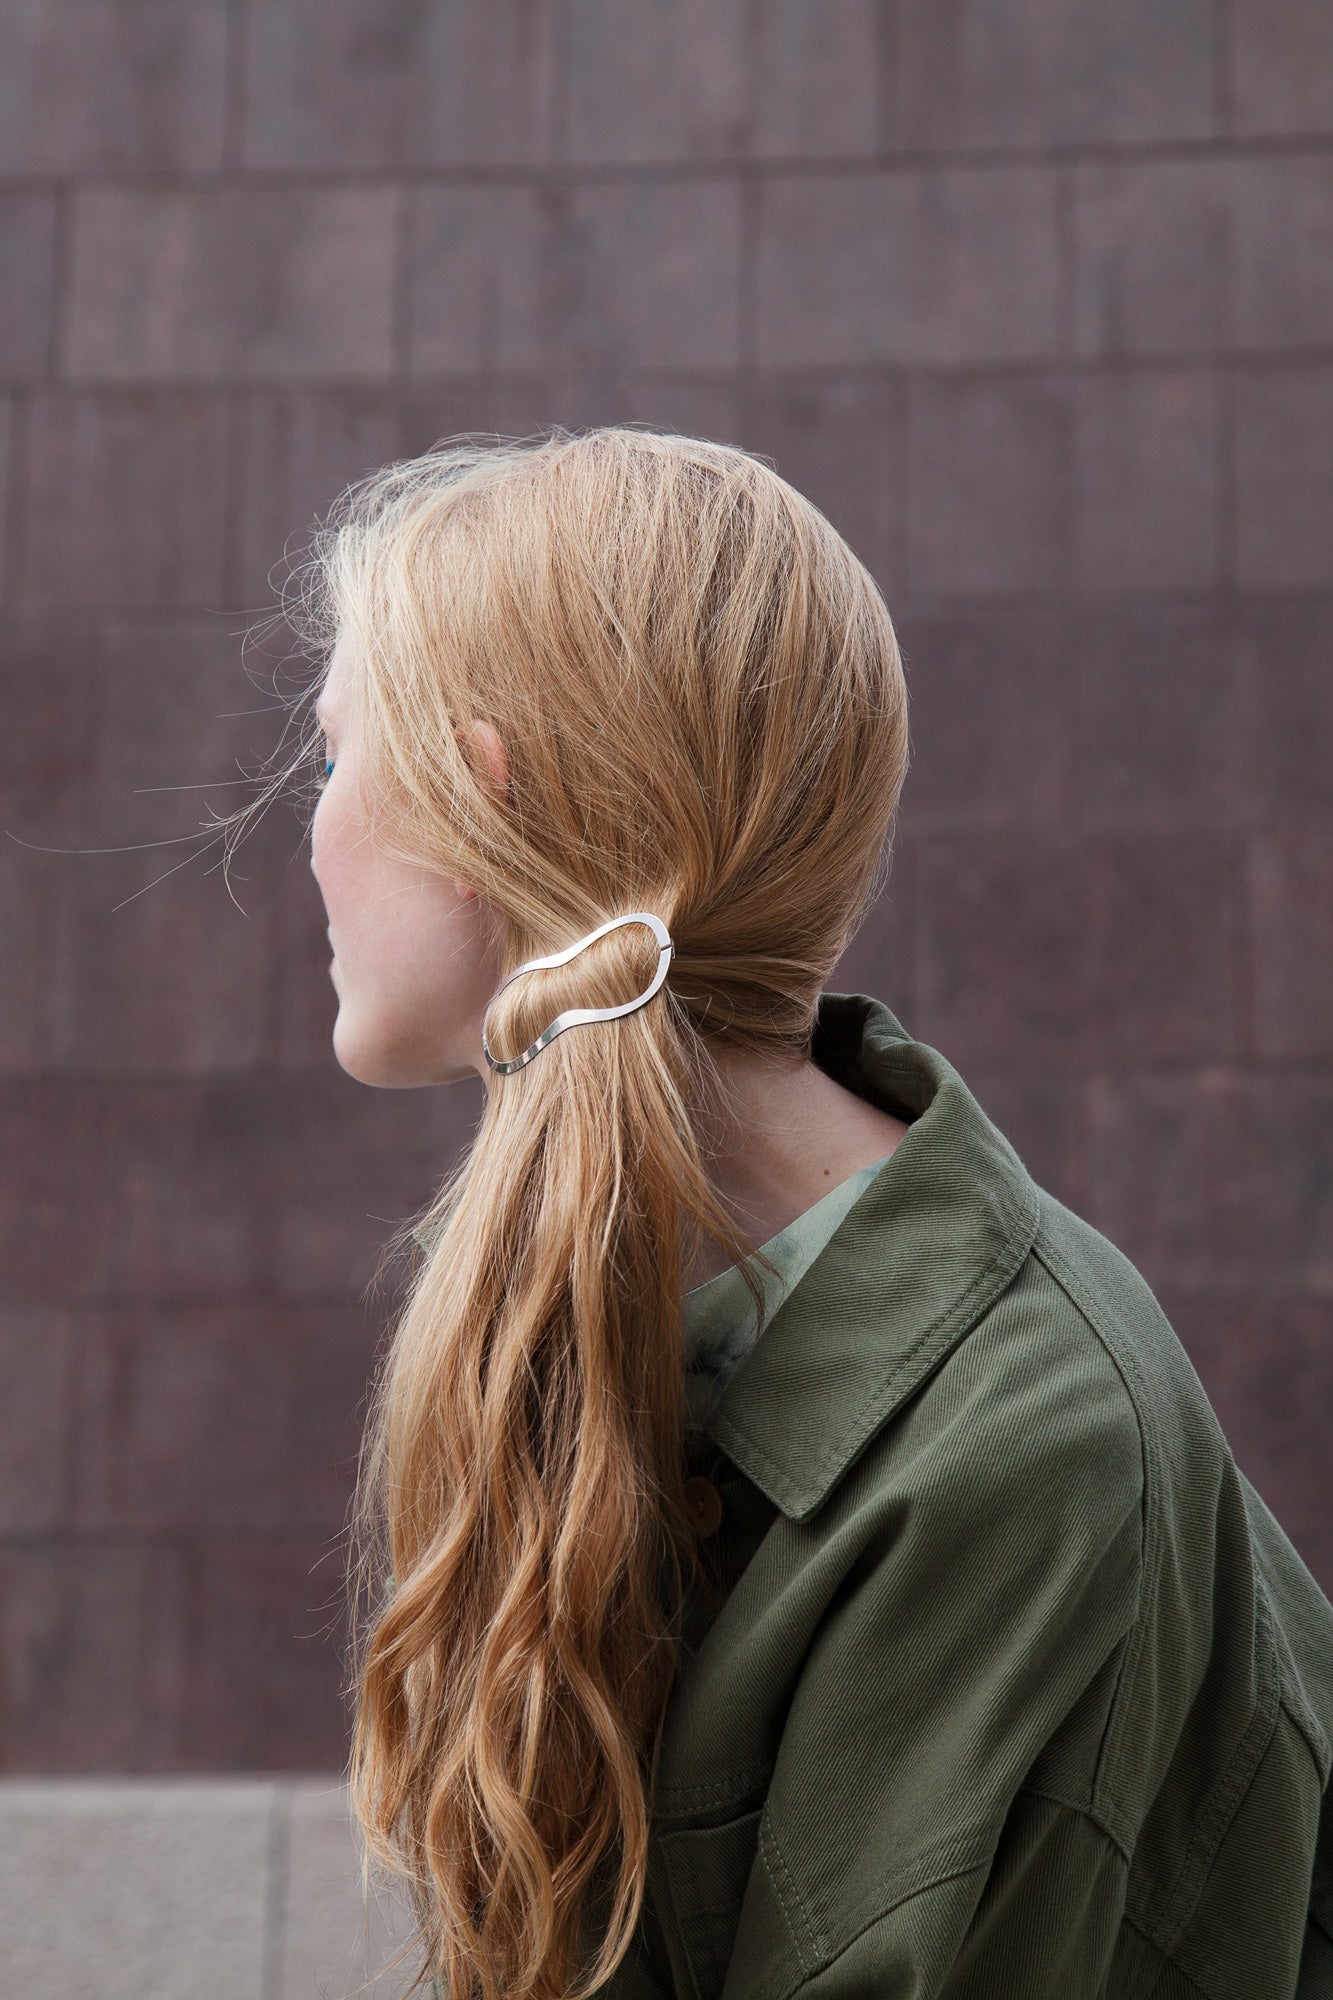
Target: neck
792, 1134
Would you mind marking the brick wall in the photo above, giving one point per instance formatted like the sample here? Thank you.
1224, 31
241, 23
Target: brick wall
1035, 298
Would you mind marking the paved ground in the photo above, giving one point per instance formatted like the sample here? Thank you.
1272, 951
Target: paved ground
189, 1889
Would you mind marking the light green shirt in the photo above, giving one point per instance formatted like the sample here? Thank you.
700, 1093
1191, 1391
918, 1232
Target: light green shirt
718, 1328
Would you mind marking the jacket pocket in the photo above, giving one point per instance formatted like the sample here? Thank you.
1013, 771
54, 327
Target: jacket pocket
703, 1872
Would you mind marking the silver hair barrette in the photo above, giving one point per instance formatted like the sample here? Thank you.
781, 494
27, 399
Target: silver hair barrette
574, 1017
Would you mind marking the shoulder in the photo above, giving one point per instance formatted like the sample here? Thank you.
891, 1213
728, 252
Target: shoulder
1116, 1305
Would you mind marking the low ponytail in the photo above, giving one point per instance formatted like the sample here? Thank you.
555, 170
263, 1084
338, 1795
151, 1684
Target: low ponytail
526, 1461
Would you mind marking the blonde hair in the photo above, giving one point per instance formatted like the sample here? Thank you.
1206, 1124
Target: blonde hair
703, 706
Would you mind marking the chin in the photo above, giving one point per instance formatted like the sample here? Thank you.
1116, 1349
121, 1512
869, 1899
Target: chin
359, 1057
385, 1066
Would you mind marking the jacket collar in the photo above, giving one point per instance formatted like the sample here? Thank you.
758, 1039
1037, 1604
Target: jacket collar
933, 1240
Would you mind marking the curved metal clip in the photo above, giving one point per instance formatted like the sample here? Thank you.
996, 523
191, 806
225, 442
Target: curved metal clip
574, 1017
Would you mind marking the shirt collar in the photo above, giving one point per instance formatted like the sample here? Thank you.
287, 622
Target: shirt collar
933, 1240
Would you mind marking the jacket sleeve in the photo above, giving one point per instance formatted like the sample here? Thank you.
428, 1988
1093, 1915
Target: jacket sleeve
933, 1827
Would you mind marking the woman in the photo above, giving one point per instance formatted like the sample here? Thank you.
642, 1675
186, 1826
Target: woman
799, 1557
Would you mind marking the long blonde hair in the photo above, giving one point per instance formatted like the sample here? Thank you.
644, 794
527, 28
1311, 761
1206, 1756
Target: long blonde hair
703, 705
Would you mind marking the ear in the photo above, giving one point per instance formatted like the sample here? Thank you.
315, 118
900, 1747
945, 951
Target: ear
491, 745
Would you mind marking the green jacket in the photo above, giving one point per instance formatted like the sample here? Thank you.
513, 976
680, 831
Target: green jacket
1011, 1687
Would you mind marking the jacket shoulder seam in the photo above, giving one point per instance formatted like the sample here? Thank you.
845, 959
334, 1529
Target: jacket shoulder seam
1297, 1712
1136, 1392
1210, 1827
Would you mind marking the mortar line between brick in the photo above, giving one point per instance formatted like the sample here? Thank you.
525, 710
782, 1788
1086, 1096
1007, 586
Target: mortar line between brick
973, 369
901, 890
546, 65
1223, 44
888, 80
76, 1318
1074, 721
895, 483
1224, 393
1066, 270
897, 473
561, 33
1079, 1141
721, 166
910, 398
401, 279
1244, 934
62, 264
234, 456
270, 1035
234, 106
13, 523
747, 284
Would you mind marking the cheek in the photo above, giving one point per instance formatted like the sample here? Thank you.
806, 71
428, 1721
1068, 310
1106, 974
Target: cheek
321, 855
334, 847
